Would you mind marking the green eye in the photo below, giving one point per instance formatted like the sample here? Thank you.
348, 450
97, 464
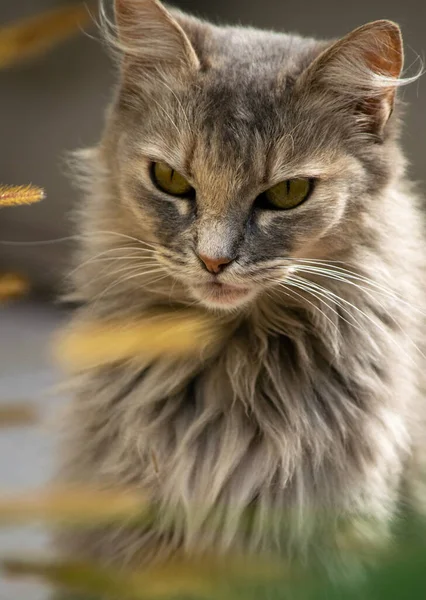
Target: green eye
170, 181
287, 194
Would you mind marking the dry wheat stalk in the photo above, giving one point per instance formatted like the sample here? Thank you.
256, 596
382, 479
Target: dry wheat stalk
15, 195
32, 37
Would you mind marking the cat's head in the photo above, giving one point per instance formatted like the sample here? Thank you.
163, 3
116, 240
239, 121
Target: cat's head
233, 151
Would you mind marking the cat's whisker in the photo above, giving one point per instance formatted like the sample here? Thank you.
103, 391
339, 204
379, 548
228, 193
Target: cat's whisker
322, 293
107, 272
325, 298
106, 232
172, 288
94, 259
365, 290
123, 280
336, 297
339, 300
139, 259
315, 306
289, 290
352, 275
151, 282
137, 250
115, 273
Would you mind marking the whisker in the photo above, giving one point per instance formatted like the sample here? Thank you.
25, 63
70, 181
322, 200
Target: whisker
141, 251
123, 235
339, 299
106, 271
320, 295
349, 275
150, 282
315, 306
324, 293
41, 242
367, 292
122, 280
376, 300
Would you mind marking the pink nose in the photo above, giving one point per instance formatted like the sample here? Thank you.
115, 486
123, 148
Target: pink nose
215, 265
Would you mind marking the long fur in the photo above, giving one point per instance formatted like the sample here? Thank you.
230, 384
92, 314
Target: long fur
307, 424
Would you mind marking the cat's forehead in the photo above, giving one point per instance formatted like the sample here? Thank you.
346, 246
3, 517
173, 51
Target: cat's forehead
238, 120
245, 49
245, 92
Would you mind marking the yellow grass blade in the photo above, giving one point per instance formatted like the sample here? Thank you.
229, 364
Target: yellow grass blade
17, 414
36, 35
107, 583
20, 194
180, 333
74, 506
12, 285
197, 579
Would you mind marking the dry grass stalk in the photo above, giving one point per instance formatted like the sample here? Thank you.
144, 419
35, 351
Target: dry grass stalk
12, 286
196, 579
74, 506
20, 194
179, 333
32, 37
17, 414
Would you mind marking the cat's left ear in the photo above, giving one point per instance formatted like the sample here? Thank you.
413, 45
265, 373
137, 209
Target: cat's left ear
364, 69
149, 37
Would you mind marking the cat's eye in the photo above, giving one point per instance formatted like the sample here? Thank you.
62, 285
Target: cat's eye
286, 194
170, 181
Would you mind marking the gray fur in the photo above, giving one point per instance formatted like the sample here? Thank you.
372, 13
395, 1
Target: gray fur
311, 413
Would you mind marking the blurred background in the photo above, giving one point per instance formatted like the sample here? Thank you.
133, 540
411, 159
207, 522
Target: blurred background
55, 103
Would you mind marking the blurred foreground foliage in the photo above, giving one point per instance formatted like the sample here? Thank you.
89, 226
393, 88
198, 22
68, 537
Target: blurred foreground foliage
14, 414
32, 37
173, 333
403, 578
401, 574
14, 285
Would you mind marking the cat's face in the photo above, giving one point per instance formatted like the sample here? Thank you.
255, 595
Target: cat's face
235, 150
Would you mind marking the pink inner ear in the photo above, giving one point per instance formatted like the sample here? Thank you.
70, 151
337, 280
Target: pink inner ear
387, 58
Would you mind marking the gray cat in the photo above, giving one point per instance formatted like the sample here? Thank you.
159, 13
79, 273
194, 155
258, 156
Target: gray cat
258, 176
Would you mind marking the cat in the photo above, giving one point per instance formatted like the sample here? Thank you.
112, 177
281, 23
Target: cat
258, 176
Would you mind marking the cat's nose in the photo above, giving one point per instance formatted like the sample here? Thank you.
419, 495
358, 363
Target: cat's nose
215, 265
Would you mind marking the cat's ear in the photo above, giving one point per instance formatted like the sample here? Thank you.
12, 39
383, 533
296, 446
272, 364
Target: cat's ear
364, 69
149, 37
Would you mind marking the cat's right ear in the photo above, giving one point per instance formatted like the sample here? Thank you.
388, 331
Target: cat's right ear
363, 69
148, 37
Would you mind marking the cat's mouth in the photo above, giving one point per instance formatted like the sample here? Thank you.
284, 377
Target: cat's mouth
222, 295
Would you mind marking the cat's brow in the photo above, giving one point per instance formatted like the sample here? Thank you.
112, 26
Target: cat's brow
189, 158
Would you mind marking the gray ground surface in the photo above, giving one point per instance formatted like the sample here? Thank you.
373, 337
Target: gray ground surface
27, 455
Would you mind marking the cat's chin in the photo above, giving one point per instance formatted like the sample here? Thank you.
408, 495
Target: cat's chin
222, 296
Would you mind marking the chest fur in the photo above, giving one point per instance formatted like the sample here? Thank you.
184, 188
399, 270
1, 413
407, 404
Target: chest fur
271, 423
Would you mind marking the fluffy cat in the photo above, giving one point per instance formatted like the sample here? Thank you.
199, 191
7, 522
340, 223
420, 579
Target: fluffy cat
259, 176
